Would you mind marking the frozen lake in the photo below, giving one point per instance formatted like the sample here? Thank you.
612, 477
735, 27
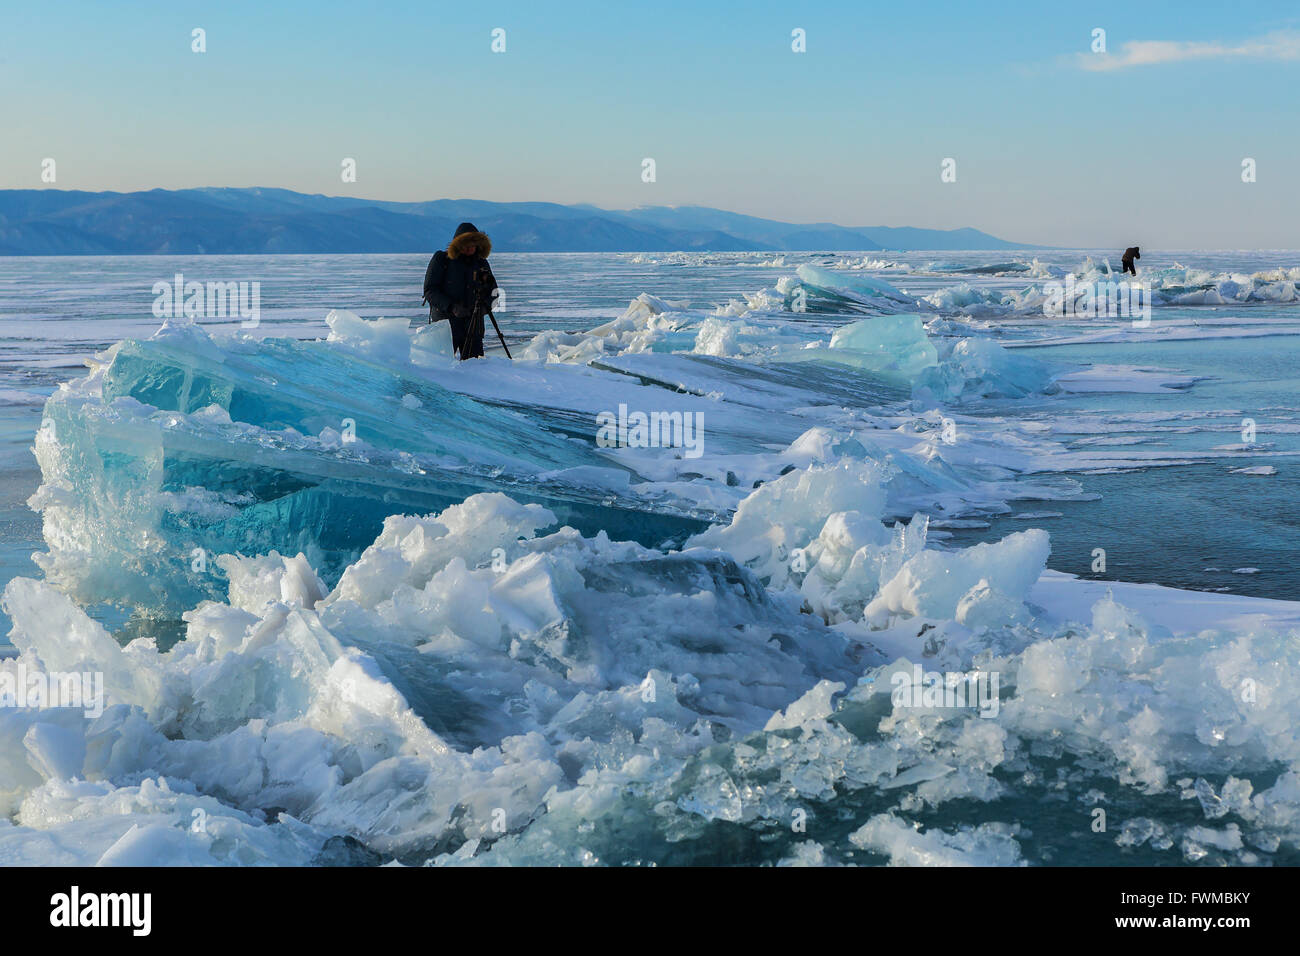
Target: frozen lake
321, 571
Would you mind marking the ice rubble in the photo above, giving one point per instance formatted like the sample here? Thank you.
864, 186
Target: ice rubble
402, 708
474, 691
956, 371
475, 686
763, 260
892, 346
850, 286
847, 289
1176, 285
183, 447
820, 529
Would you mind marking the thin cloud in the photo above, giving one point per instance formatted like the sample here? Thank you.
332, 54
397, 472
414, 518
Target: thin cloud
1283, 45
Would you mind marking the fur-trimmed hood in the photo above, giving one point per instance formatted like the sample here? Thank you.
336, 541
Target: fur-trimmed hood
465, 237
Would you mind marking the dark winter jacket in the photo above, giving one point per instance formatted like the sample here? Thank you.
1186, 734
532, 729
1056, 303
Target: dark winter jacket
450, 279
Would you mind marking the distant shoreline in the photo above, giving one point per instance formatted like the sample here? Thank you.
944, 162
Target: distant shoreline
249, 221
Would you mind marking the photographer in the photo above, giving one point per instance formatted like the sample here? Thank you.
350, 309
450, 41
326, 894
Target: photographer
458, 286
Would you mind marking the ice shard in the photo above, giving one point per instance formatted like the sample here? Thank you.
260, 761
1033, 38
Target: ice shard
180, 448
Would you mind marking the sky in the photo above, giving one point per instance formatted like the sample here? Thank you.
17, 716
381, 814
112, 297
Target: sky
1052, 143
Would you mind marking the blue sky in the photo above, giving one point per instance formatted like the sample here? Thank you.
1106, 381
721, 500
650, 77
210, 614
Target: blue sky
1053, 143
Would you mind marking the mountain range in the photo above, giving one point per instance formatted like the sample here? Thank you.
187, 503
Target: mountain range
221, 220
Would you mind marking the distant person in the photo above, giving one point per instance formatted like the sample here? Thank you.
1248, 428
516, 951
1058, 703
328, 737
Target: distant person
1131, 253
458, 286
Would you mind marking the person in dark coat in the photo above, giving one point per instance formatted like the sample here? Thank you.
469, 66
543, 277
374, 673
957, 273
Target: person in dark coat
455, 282
1131, 253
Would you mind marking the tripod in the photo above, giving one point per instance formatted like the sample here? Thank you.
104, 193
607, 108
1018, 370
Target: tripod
482, 298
